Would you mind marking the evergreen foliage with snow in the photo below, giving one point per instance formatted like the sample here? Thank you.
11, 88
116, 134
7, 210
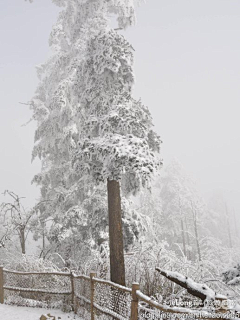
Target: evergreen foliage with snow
89, 127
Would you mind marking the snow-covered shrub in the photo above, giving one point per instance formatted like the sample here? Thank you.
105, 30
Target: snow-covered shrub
232, 275
15, 300
37, 301
31, 264
9, 254
46, 282
141, 264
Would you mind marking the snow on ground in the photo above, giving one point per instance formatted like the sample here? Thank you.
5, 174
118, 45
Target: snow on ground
26, 313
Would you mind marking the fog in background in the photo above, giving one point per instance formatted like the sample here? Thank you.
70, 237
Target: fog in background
187, 70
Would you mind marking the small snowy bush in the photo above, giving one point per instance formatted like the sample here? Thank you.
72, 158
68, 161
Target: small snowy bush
31, 264
37, 281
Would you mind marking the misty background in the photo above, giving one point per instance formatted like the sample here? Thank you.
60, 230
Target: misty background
187, 73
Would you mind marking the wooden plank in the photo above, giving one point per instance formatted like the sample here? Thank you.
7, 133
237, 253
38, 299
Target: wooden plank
114, 285
109, 312
38, 273
134, 303
73, 294
35, 290
1, 285
92, 275
81, 277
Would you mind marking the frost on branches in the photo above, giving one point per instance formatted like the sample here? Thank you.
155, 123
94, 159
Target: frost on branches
89, 127
116, 134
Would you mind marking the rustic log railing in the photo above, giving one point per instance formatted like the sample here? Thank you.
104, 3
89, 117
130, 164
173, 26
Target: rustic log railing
94, 298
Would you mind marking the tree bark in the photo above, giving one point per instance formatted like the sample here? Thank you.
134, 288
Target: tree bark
43, 243
117, 267
235, 223
188, 240
228, 226
182, 227
183, 239
196, 233
22, 240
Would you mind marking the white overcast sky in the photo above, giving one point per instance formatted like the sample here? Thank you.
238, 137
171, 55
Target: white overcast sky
187, 71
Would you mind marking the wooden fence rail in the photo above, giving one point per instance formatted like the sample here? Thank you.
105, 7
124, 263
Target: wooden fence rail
101, 296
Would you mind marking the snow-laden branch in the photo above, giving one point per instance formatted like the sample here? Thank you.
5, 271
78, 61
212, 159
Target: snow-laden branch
199, 290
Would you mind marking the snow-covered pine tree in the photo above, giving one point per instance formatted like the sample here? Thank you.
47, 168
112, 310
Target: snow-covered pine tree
116, 136
87, 90
54, 106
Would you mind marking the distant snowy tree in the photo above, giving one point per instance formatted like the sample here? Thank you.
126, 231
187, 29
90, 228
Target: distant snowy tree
177, 211
224, 221
176, 193
90, 129
15, 220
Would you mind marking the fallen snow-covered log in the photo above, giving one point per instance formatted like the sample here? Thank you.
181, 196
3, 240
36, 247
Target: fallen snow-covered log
199, 290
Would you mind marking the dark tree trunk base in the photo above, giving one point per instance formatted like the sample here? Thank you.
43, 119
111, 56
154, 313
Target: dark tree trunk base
117, 267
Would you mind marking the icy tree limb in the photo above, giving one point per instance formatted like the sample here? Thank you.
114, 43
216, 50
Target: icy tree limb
201, 291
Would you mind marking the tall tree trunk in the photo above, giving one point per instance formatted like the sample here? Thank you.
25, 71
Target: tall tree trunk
182, 226
228, 226
22, 240
117, 267
196, 233
188, 240
235, 223
43, 243
183, 239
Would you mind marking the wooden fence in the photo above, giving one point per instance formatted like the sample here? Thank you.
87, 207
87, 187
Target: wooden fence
96, 298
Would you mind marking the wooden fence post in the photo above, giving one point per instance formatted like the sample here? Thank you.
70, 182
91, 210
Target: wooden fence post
1, 285
73, 292
134, 303
92, 275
